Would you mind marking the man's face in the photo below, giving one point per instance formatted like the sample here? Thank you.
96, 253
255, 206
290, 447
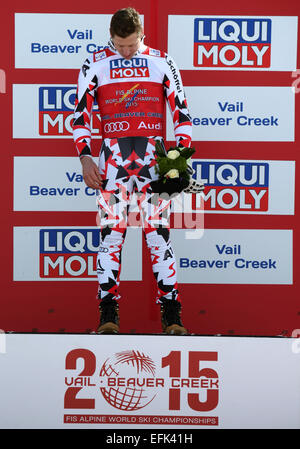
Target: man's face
127, 46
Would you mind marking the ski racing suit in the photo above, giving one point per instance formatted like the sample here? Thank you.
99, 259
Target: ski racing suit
131, 95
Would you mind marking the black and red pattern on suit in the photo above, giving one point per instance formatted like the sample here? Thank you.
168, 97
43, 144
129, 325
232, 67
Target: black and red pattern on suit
134, 91
132, 119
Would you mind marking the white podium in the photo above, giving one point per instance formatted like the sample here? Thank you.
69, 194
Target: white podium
56, 381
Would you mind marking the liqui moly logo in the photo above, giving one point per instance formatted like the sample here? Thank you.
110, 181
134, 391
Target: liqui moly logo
56, 111
129, 68
232, 42
233, 186
68, 253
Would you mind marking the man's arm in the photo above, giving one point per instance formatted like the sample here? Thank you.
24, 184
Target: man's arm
84, 100
175, 96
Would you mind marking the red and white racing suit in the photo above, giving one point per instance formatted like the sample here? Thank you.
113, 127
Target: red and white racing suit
131, 95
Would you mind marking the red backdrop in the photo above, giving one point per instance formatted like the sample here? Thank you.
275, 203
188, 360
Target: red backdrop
208, 309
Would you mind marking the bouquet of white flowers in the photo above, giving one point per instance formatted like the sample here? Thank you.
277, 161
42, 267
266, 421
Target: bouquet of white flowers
174, 171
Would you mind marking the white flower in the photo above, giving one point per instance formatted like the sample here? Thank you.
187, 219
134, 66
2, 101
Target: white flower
173, 154
172, 173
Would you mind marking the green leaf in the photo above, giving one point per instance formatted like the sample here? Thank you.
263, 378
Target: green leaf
159, 149
187, 152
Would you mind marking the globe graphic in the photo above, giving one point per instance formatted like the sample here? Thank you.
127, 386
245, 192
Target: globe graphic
128, 365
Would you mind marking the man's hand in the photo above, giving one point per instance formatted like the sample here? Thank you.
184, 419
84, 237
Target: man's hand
90, 173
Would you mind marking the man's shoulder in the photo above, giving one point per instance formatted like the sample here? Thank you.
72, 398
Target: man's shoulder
154, 52
102, 54
162, 57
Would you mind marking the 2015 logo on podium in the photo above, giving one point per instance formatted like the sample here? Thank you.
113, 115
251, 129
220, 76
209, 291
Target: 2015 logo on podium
128, 380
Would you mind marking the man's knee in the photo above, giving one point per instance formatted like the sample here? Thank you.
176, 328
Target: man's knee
158, 238
111, 237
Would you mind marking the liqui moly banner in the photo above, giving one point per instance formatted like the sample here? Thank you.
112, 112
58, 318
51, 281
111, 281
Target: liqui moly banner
50, 110
68, 254
233, 42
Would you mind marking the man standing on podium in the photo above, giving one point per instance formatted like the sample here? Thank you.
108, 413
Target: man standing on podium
131, 83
